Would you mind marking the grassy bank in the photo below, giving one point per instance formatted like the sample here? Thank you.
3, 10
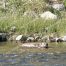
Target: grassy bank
12, 15
28, 25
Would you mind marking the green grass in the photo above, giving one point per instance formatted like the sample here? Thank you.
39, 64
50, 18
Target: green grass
12, 16
28, 25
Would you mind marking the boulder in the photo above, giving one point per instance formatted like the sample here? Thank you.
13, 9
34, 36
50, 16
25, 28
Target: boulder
58, 6
3, 37
48, 15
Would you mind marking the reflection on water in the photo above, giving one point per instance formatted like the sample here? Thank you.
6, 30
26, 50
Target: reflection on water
37, 58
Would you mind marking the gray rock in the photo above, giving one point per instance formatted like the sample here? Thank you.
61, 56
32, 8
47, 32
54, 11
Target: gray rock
3, 37
13, 29
24, 38
59, 40
36, 37
52, 39
30, 39
58, 6
12, 38
44, 38
64, 38
21, 38
48, 15
55, 39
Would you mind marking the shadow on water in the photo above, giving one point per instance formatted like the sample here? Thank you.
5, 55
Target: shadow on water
55, 56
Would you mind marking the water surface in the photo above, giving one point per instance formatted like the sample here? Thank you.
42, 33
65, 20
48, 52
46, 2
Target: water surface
11, 54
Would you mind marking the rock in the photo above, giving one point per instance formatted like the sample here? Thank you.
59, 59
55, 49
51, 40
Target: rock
13, 29
3, 37
12, 38
64, 38
52, 39
59, 40
30, 14
44, 38
48, 15
58, 6
30, 39
24, 38
19, 37
55, 39
36, 37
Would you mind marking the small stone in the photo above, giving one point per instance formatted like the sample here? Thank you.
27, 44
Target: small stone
30, 39
13, 29
18, 38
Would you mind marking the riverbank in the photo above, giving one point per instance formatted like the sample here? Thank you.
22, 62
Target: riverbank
53, 37
28, 25
26, 21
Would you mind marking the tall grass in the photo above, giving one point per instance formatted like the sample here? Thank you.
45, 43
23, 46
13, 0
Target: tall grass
28, 25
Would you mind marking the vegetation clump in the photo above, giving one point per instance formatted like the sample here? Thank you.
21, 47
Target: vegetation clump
11, 14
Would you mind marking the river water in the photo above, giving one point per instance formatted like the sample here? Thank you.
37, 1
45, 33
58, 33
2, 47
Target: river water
11, 54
